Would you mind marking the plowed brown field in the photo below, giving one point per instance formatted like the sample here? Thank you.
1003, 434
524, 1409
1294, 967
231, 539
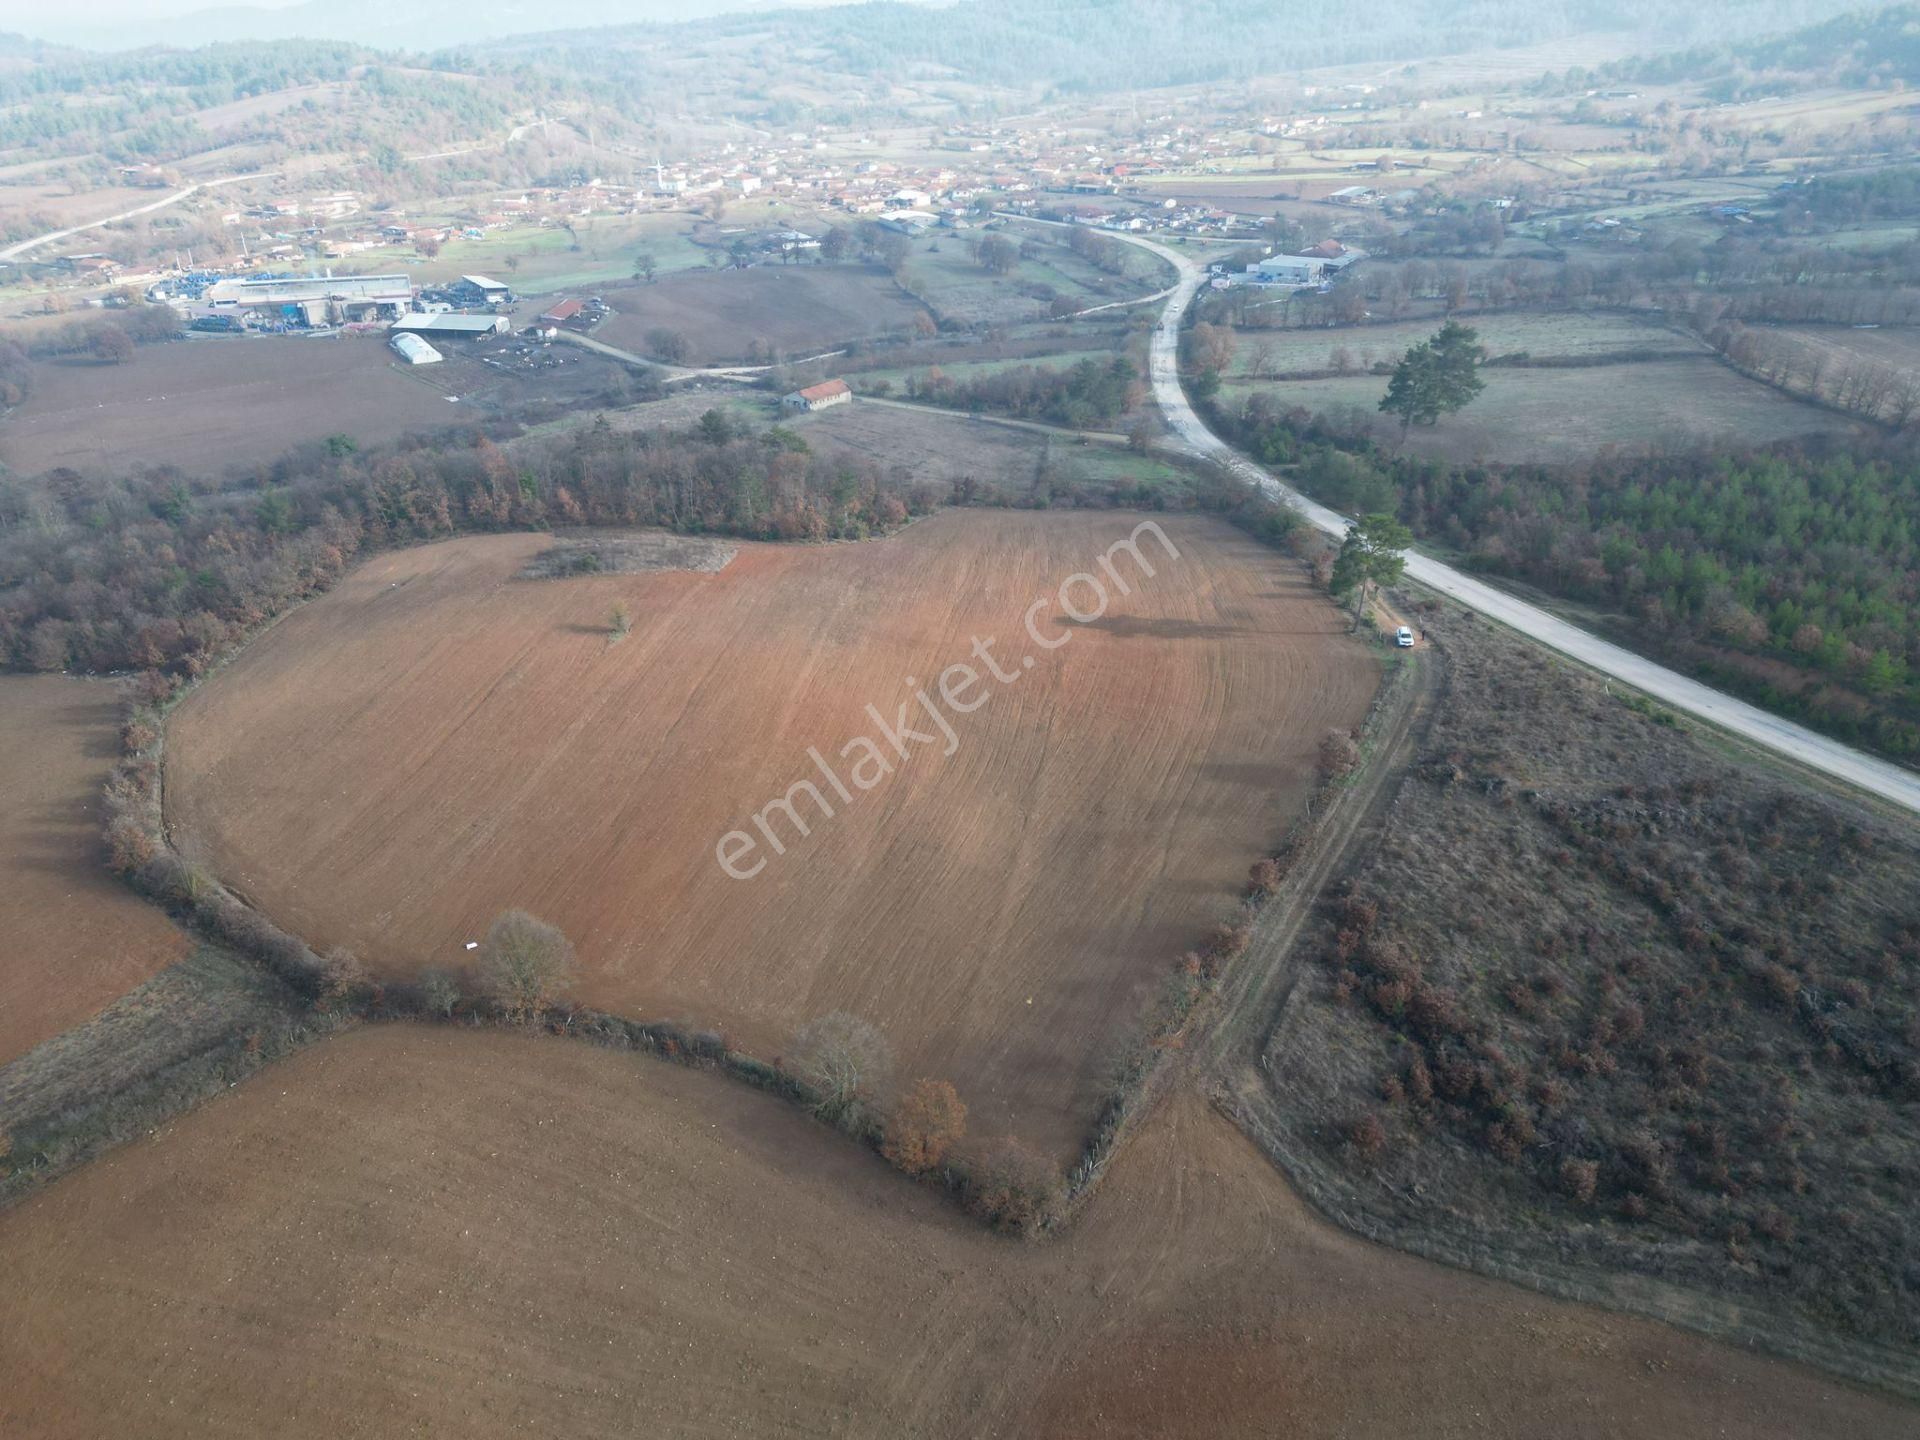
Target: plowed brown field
75, 939
206, 404
430, 1232
797, 309
438, 740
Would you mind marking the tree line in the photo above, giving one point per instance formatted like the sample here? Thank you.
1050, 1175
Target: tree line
1874, 389
1787, 573
1086, 393
159, 569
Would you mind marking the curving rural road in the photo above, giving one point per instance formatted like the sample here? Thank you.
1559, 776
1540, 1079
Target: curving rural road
14, 251
1783, 737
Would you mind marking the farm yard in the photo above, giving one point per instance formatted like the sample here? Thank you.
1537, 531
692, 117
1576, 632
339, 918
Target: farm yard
1560, 415
744, 315
674, 1254
361, 772
76, 939
209, 405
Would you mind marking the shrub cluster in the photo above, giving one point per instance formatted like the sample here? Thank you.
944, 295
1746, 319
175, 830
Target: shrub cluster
1642, 990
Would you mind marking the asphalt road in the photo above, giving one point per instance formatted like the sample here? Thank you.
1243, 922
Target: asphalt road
1781, 736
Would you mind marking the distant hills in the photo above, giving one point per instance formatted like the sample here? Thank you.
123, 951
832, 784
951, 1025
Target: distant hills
1862, 47
1091, 44
381, 24
1109, 45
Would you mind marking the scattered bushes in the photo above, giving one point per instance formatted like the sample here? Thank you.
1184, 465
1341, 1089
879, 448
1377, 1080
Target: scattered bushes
1641, 985
924, 1127
1014, 1188
1367, 1135
1083, 394
1339, 754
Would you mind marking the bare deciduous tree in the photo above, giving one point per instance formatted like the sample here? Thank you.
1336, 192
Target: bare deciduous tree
525, 964
440, 991
847, 1062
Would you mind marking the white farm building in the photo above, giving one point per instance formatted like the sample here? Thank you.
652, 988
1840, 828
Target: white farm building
415, 351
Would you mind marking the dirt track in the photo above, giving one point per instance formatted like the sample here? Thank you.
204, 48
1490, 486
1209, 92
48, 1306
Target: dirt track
408, 1231
75, 939
437, 741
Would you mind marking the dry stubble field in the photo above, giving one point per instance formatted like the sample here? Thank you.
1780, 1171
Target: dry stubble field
75, 939
205, 404
438, 740
409, 1232
1563, 416
798, 309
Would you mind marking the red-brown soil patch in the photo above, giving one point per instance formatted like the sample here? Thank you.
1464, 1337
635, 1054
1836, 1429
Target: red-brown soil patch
407, 1231
75, 938
438, 740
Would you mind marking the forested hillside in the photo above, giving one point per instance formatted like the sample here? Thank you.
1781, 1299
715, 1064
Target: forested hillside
142, 105
1120, 44
1862, 47
145, 106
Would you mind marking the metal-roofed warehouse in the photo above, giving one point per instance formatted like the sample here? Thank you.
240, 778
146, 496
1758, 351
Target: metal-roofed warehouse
453, 327
319, 299
480, 290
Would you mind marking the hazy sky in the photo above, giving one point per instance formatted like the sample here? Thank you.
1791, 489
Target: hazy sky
21, 14
38, 17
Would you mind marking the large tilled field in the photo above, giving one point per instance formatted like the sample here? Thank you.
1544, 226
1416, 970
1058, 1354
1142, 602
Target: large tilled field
205, 405
75, 939
242, 400
796, 309
439, 740
430, 1232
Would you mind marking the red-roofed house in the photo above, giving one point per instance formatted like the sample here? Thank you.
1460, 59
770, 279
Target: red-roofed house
819, 397
561, 313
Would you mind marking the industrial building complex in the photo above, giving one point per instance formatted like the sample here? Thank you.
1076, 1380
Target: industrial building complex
315, 299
